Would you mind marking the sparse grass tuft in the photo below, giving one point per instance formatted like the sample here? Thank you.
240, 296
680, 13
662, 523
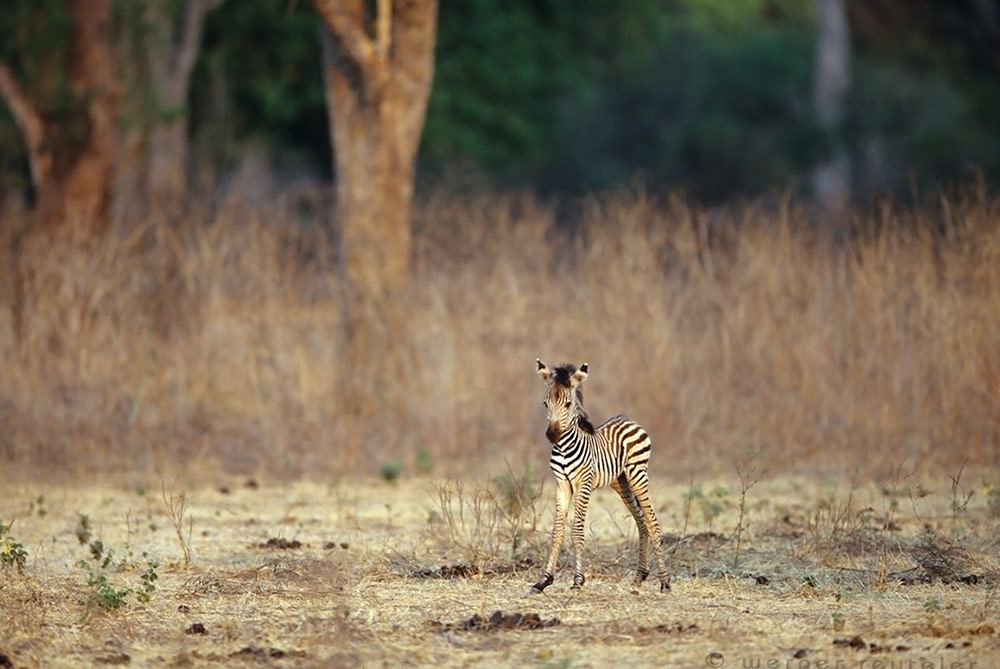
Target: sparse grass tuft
176, 506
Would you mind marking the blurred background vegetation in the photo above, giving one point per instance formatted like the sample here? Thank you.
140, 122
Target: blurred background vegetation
710, 97
596, 181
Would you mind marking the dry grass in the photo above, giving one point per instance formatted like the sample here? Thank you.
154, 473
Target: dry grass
208, 344
214, 337
372, 578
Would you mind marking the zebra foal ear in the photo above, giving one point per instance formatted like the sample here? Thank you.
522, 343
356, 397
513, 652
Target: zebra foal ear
543, 370
580, 374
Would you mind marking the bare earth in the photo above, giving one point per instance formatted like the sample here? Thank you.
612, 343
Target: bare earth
413, 574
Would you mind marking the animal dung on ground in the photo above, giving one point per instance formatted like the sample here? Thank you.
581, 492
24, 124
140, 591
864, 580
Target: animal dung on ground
498, 621
283, 544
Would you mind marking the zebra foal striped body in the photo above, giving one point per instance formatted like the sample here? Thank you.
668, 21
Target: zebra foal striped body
585, 458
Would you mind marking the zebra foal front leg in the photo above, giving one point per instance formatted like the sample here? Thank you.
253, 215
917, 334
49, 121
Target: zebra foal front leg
563, 496
579, 523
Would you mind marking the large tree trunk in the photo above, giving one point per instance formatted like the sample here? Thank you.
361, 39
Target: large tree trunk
831, 179
72, 172
73, 183
377, 93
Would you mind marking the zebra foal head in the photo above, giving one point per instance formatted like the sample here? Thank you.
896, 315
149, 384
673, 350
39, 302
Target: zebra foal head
563, 399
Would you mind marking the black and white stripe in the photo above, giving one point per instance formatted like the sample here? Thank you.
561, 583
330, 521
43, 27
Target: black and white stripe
585, 458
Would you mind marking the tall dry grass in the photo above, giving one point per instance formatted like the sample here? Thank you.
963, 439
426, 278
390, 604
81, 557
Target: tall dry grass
213, 339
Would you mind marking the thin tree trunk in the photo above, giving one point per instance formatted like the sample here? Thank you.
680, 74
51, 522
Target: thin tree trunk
831, 179
171, 56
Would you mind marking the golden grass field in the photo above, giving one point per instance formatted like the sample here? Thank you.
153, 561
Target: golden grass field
850, 367
371, 573
216, 335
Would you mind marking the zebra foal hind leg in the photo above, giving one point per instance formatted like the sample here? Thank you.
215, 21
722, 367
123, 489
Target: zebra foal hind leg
621, 486
639, 483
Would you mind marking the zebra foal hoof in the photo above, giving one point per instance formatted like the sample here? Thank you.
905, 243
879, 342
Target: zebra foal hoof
537, 588
664, 586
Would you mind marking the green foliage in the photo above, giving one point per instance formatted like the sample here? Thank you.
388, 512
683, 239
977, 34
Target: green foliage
83, 530
97, 549
424, 461
714, 98
258, 80
715, 113
35, 40
103, 595
12, 553
107, 596
711, 503
391, 470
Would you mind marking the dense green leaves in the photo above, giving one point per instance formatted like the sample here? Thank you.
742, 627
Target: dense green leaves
713, 97
259, 81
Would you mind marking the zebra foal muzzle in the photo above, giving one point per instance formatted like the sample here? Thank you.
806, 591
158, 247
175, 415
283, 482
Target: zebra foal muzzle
552, 432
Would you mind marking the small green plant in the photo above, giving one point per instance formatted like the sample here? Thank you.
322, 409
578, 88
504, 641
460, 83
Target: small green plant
83, 530
12, 553
40, 501
103, 595
96, 549
838, 621
391, 470
106, 596
424, 461
148, 579
992, 500
711, 504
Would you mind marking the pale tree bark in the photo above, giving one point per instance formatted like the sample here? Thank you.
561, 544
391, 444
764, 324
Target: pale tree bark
831, 179
378, 71
171, 56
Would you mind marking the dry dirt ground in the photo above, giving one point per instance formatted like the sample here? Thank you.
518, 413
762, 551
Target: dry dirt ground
424, 573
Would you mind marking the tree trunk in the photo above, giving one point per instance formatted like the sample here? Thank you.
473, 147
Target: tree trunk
831, 179
377, 93
73, 183
171, 56
72, 175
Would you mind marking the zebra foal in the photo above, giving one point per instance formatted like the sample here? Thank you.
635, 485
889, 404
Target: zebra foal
584, 458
